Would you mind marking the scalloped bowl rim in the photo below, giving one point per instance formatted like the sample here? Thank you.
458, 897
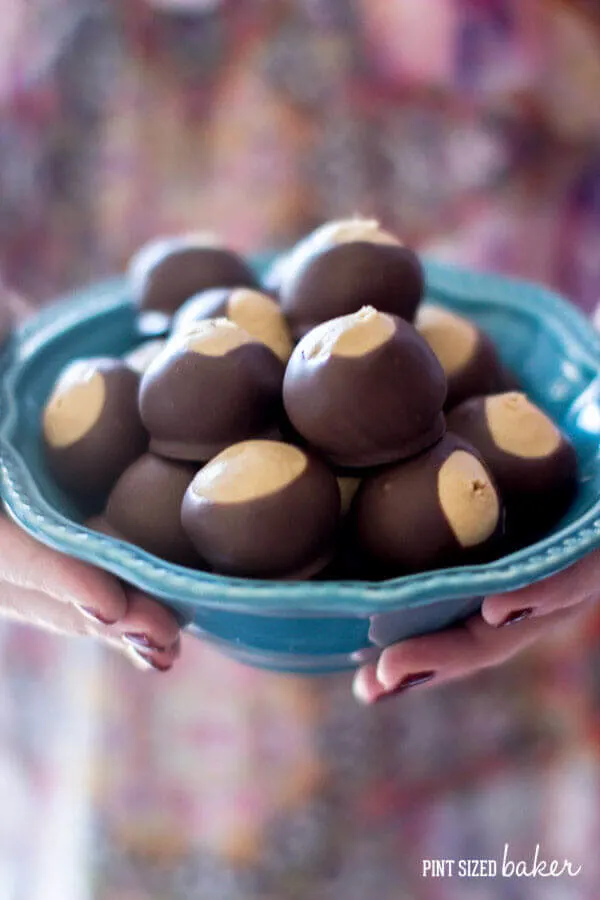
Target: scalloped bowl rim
26, 505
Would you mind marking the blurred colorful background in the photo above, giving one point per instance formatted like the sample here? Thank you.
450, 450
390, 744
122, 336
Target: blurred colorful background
472, 127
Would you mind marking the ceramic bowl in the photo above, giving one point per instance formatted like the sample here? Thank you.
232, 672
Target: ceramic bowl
311, 627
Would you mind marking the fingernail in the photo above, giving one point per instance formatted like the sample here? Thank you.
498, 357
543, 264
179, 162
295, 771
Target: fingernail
142, 643
146, 662
517, 615
94, 616
408, 682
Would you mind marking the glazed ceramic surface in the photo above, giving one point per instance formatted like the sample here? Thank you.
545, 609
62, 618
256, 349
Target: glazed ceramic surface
310, 626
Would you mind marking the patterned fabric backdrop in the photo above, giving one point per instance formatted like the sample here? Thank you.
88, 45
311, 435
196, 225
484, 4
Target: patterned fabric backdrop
472, 127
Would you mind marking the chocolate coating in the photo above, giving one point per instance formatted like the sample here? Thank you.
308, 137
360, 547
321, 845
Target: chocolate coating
92, 427
337, 279
537, 489
258, 313
282, 526
349, 565
99, 524
195, 403
144, 508
370, 408
166, 273
466, 353
436, 510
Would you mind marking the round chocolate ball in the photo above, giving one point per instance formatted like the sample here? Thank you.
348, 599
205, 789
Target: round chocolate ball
144, 508
252, 310
92, 428
213, 385
167, 272
436, 510
263, 509
344, 266
467, 355
534, 464
140, 358
365, 389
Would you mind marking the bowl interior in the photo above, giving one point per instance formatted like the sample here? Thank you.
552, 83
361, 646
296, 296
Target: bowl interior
311, 626
550, 348
554, 371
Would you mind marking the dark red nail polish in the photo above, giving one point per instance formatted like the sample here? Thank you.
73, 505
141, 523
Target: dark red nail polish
408, 682
158, 668
94, 616
142, 643
517, 615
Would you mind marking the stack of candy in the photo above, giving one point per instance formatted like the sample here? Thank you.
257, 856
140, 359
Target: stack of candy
326, 423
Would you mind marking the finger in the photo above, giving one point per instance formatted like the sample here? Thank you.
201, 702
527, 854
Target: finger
148, 627
149, 633
42, 611
579, 583
65, 619
27, 564
365, 687
461, 651
33, 608
152, 661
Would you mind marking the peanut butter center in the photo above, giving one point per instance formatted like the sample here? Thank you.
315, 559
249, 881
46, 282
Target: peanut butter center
75, 406
519, 428
452, 338
350, 336
212, 337
248, 471
261, 317
468, 499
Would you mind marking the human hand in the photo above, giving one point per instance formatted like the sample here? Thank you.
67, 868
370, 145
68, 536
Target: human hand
41, 587
507, 624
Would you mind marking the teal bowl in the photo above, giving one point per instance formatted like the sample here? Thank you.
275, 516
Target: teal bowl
311, 627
